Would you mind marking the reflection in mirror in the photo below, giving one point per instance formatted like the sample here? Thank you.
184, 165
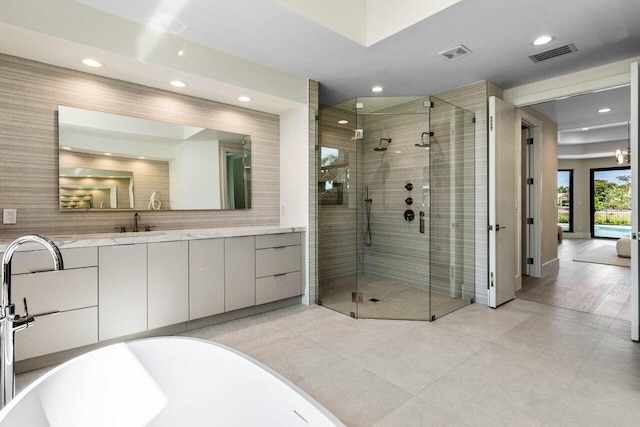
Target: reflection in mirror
175, 167
333, 180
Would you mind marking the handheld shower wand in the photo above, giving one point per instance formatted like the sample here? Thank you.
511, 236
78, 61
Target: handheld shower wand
367, 212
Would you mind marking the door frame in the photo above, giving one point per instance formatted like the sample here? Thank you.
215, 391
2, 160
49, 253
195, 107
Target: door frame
609, 76
634, 123
535, 129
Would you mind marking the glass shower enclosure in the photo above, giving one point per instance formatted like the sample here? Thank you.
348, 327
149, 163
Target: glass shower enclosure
396, 207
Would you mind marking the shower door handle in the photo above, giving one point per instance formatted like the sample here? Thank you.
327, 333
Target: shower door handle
422, 222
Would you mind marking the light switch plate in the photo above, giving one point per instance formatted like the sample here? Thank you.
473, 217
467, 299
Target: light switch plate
9, 216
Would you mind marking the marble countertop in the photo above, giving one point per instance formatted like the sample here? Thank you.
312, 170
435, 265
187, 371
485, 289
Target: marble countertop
111, 239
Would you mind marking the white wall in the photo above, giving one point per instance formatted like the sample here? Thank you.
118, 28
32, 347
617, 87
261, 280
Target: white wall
294, 176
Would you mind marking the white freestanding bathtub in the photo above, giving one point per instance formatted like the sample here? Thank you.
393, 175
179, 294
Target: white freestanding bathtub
169, 381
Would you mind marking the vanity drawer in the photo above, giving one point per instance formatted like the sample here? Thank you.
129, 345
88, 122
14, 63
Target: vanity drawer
277, 260
56, 290
278, 287
40, 260
276, 240
59, 332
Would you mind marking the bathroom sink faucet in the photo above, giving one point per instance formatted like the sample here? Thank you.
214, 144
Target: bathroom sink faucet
11, 322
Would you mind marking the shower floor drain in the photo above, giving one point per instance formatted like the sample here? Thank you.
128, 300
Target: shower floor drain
374, 300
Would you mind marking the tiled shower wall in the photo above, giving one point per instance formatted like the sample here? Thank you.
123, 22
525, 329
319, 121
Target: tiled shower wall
399, 253
30, 93
441, 258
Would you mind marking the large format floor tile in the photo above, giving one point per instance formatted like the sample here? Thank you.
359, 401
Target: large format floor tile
524, 364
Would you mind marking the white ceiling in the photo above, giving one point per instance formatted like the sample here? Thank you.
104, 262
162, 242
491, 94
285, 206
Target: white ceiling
605, 132
268, 48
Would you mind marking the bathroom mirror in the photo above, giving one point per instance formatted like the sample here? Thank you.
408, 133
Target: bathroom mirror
110, 161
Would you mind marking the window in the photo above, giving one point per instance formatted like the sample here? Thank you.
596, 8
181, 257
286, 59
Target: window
611, 202
565, 200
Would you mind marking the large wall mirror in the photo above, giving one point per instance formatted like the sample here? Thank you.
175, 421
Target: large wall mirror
110, 161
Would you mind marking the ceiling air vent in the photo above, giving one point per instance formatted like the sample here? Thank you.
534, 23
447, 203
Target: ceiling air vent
455, 52
559, 51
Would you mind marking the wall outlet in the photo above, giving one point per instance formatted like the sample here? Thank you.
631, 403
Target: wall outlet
9, 216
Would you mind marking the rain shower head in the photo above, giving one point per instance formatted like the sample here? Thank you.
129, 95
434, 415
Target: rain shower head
422, 143
380, 147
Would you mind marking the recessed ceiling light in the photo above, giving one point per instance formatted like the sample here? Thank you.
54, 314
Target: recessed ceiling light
141, 157
604, 110
542, 40
343, 122
66, 148
244, 99
178, 83
585, 128
92, 63
376, 89
108, 154
181, 52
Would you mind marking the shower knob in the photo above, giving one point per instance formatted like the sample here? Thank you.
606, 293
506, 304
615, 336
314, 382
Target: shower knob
409, 215
409, 186
408, 200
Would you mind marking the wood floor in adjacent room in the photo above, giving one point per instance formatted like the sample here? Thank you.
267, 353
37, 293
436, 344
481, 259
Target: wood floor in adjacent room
592, 288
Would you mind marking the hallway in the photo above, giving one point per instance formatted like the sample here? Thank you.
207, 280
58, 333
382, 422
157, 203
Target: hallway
591, 288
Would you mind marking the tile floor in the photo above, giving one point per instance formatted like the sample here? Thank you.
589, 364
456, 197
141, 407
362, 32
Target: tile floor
593, 288
395, 301
524, 363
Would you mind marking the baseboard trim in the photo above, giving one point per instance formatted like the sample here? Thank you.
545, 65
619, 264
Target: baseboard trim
550, 267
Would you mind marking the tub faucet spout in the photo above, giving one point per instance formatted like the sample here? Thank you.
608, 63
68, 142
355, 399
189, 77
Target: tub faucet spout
9, 321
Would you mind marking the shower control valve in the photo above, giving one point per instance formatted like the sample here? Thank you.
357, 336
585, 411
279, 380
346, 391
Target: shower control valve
409, 215
409, 186
408, 200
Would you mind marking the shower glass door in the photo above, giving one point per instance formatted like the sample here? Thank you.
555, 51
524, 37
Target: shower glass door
396, 218
336, 157
452, 213
393, 190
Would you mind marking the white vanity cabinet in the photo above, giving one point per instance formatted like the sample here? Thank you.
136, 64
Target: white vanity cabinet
168, 283
206, 278
122, 273
72, 291
128, 286
278, 267
239, 272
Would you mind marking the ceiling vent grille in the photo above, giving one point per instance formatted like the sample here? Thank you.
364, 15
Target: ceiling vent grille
455, 52
553, 53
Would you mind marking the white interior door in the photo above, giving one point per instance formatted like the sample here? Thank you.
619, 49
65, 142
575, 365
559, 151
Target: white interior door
635, 206
502, 202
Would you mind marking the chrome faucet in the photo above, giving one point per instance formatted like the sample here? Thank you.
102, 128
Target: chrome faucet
11, 322
136, 218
